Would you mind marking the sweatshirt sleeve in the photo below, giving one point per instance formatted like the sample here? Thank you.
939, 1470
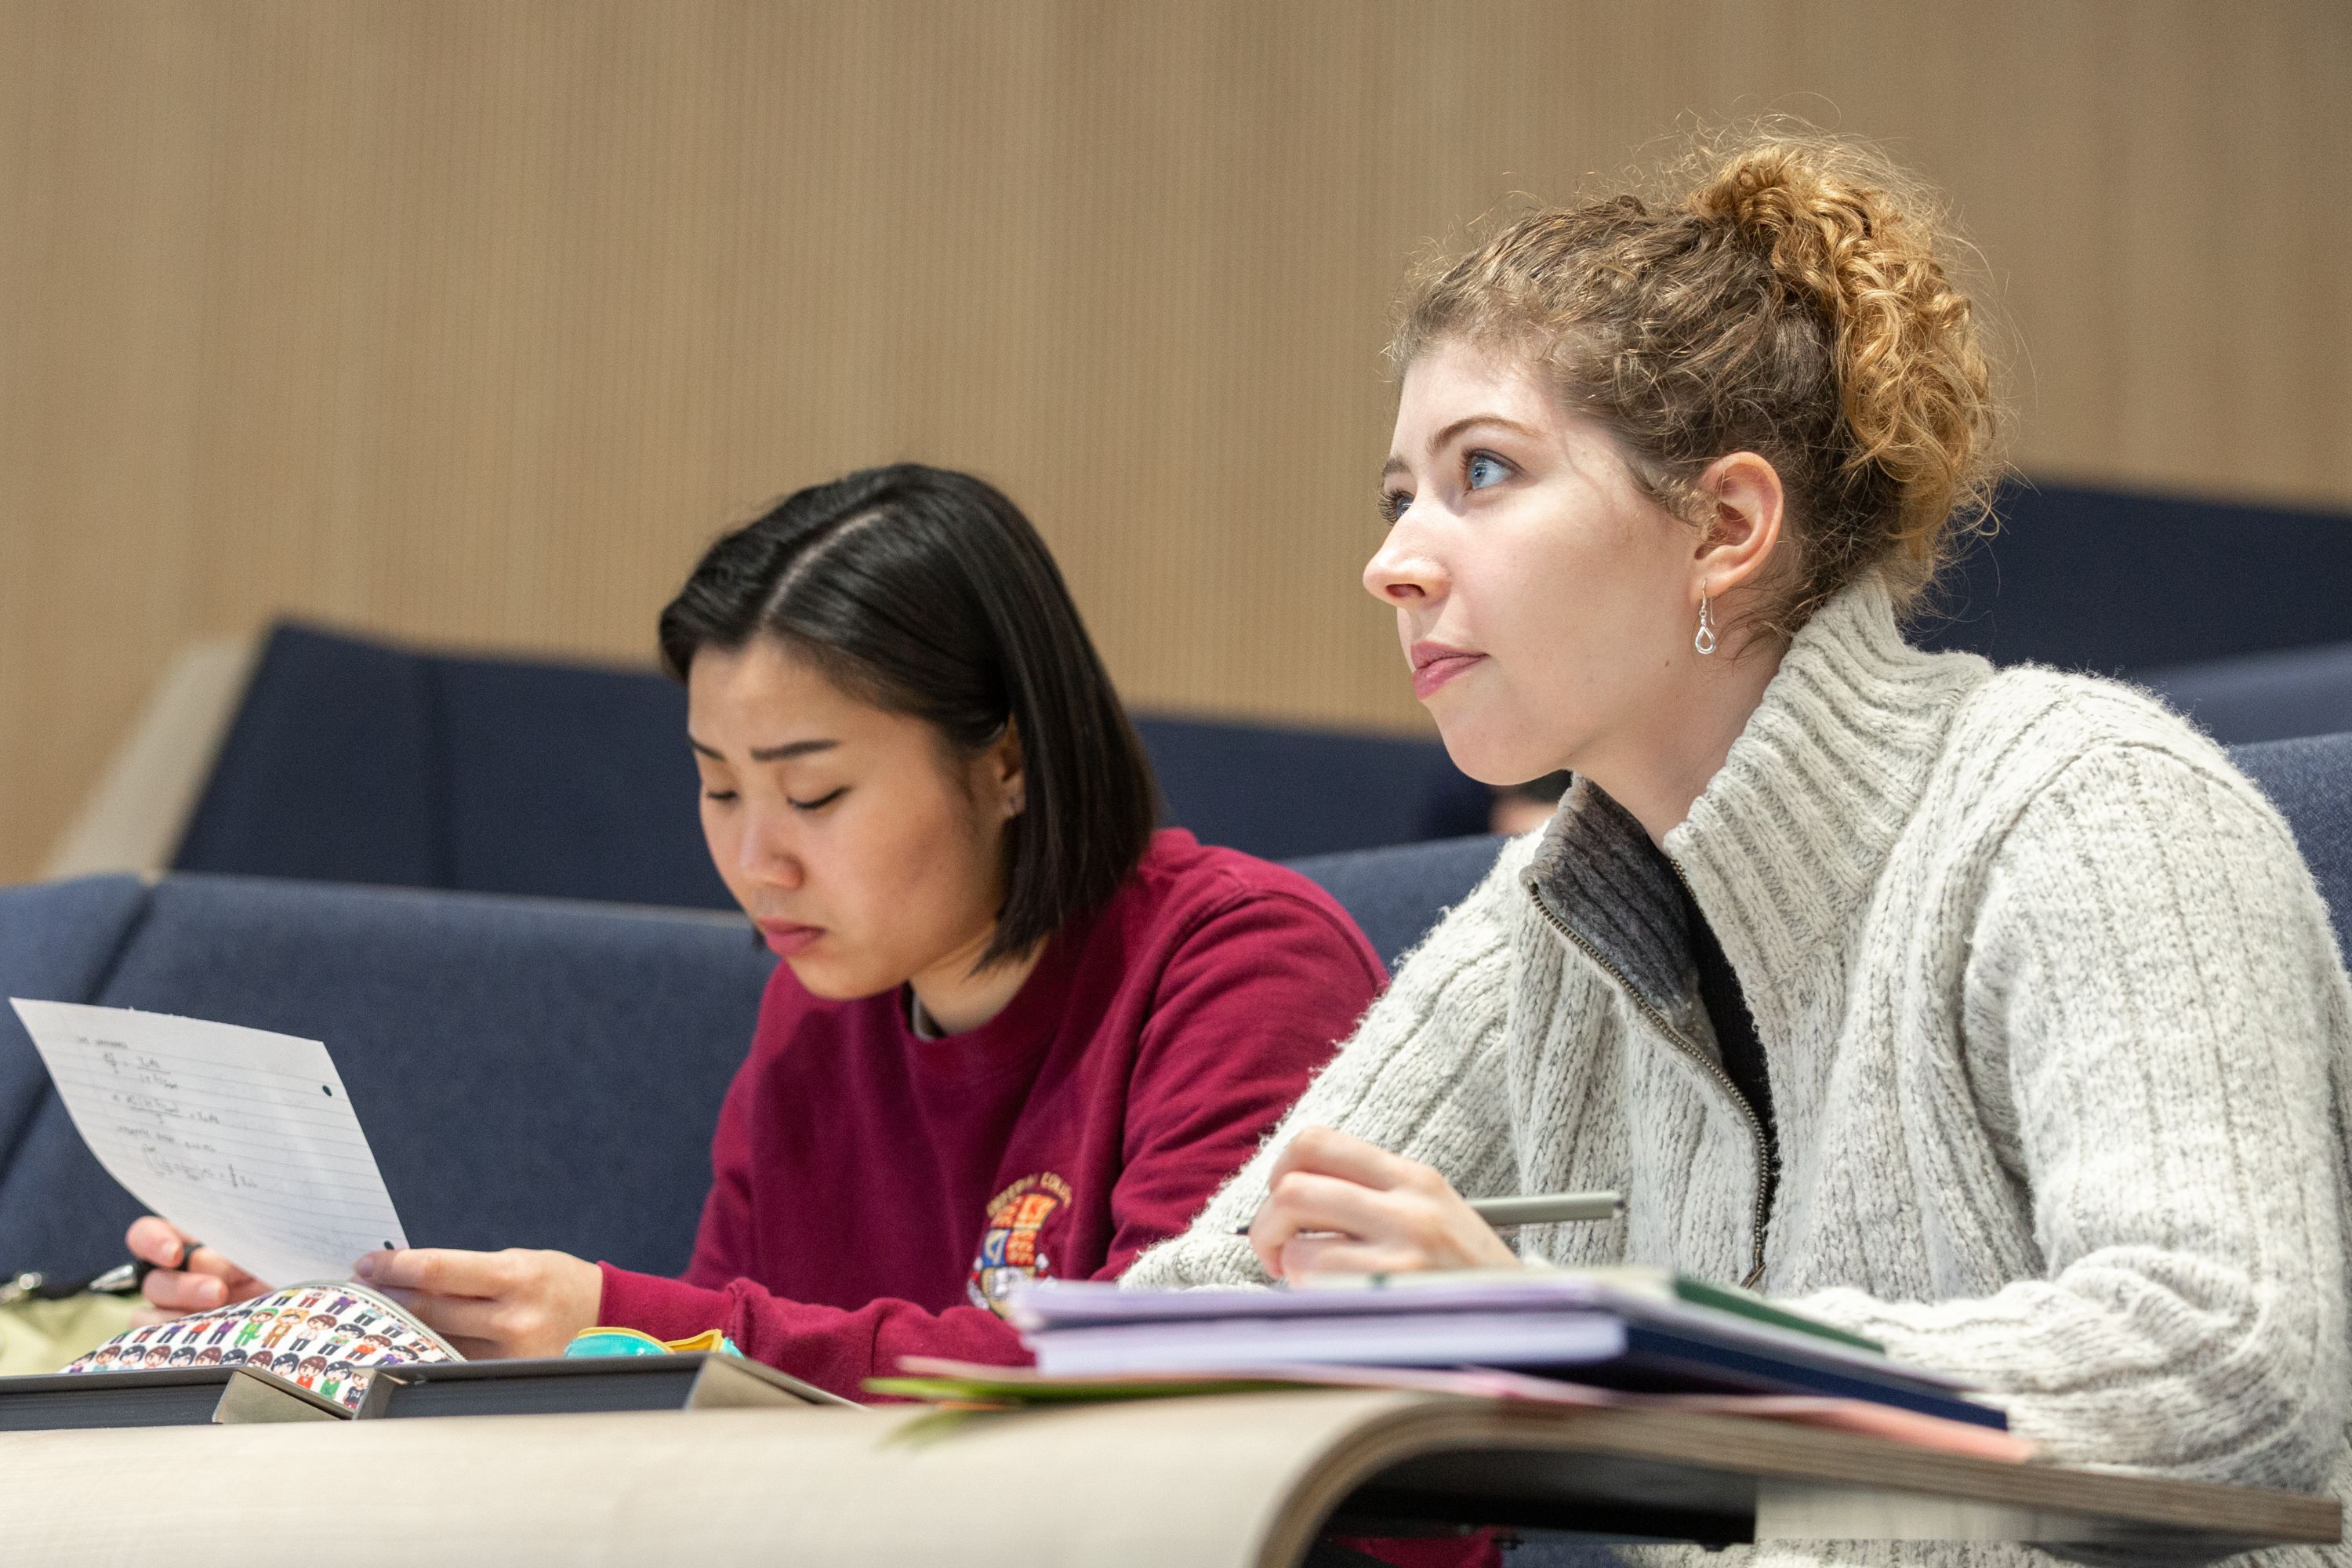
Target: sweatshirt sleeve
2154, 998
835, 1348
1423, 1076
1250, 1002
1253, 1003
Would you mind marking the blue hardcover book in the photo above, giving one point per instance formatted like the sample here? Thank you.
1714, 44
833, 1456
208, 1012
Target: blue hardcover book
1661, 1360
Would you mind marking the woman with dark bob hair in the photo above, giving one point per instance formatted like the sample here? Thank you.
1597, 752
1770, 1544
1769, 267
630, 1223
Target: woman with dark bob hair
1015, 1032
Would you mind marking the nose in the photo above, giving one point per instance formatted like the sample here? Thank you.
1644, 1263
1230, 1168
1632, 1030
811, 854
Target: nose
764, 854
1403, 572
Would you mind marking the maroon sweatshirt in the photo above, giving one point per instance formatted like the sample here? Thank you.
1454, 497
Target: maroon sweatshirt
873, 1193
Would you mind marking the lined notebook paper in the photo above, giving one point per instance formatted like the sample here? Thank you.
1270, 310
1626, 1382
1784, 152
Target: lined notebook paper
242, 1138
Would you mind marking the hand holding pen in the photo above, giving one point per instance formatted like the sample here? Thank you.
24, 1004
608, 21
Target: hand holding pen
1337, 1204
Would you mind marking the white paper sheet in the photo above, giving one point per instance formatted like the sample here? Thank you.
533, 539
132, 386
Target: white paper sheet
243, 1139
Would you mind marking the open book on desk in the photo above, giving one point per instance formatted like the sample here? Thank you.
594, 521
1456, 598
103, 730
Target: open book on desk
335, 1349
1247, 1480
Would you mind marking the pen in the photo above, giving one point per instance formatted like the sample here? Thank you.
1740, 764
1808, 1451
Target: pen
1540, 1208
124, 1278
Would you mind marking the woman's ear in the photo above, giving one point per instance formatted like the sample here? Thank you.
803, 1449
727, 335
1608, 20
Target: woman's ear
1005, 773
1742, 503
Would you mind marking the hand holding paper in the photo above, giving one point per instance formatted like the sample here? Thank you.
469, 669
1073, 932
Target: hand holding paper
518, 1302
239, 1137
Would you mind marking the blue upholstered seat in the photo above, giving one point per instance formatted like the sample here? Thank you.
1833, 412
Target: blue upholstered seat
354, 761
1396, 894
2262, 696
545, 1072
531, 1072
2121, 583
2310, 781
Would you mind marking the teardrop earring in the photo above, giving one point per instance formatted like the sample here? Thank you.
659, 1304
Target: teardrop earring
1705, 641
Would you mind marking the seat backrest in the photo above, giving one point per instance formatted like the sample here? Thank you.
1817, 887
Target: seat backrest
328, 771
2106, 581
1397, 894
2261, 696
59, 940
531, 1073
2310, 781
1280, 793
352, 761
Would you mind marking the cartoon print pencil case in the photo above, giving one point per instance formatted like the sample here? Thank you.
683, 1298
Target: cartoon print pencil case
327, 1336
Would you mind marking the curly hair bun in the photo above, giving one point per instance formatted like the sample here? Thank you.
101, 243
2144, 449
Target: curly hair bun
1782, 292
1843, 225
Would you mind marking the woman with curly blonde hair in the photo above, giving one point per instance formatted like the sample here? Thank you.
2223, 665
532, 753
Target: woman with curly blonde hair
1991, 1013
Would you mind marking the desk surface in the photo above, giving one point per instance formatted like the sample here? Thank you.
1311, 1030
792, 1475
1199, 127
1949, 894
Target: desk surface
1244, 1480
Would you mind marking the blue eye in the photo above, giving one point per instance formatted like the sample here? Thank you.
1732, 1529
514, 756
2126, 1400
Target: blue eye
1393, 504
1484, 469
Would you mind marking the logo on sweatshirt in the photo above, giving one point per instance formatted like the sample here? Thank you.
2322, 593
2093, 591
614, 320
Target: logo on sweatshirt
1009, 1251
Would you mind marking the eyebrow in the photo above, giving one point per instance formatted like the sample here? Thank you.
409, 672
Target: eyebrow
784, 752
1446, 436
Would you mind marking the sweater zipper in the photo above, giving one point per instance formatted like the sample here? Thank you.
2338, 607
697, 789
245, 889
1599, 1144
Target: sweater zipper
1706, 1063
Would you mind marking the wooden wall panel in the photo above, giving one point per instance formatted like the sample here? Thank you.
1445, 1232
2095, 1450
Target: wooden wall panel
471, 320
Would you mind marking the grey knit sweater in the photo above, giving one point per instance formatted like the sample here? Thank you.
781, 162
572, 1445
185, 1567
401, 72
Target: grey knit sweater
2057, 1037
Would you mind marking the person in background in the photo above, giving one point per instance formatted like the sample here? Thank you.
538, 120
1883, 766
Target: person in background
1015, 1034
1991, 1013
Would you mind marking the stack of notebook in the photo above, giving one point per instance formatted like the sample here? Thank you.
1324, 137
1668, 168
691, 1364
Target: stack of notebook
1632, 1330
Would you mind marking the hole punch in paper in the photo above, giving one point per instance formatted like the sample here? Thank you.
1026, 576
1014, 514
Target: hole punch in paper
243, 1139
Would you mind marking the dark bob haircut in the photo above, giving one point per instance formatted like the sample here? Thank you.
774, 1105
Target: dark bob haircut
928, 593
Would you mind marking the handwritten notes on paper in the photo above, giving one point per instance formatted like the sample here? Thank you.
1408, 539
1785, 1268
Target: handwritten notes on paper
243, 1139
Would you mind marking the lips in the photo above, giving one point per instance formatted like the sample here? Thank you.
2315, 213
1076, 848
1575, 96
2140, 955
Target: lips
1434, 663
784, 938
